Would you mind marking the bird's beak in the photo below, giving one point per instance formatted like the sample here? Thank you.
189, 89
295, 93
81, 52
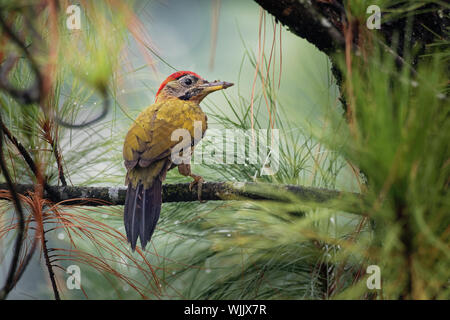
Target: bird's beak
209, 87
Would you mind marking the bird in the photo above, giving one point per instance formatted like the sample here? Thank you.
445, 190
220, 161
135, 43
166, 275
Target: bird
148, 148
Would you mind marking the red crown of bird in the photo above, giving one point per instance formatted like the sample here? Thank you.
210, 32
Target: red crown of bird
175, 76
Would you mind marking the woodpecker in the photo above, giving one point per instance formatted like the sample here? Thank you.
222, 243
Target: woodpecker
148, 147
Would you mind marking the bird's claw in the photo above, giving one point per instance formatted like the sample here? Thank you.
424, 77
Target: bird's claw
199, 182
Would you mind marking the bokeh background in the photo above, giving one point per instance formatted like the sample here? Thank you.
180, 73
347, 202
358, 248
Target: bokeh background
391, 150
215, 40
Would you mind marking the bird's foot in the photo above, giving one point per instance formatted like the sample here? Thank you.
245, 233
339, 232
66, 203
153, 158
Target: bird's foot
199, 182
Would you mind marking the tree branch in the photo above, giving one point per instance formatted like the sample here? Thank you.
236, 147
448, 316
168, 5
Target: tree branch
211, 191
322, 23
10, 279
23, 151
52, 140
318, 22
49, 265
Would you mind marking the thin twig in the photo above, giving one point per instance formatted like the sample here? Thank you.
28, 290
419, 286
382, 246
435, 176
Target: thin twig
214, 32
11, 278
53, 142
24, 96
103, 113
24, 153
49, 265
58, 159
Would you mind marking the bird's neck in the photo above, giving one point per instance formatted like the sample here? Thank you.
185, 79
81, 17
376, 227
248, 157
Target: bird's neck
162, 97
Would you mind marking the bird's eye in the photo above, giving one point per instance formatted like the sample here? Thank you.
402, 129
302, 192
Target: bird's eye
187, 81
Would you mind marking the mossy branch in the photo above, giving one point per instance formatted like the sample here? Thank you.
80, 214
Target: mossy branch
211, 191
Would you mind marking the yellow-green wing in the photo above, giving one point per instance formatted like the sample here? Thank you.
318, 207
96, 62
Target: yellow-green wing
149, 138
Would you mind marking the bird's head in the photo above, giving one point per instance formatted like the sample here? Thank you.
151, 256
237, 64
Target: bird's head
187, 85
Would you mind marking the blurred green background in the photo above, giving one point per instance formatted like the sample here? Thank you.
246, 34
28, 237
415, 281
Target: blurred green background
393, 150
181, 33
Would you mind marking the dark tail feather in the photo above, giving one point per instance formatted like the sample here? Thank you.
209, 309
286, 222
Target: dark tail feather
141, 212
